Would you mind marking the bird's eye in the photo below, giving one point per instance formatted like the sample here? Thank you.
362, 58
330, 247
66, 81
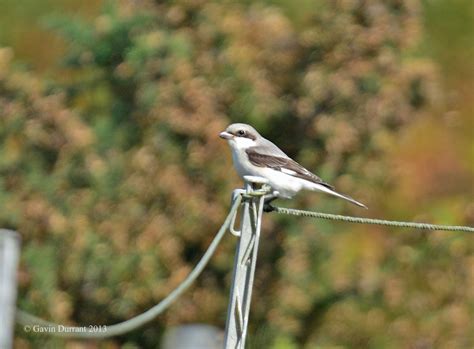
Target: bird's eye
240, 132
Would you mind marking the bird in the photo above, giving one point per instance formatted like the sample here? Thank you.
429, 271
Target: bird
253, 155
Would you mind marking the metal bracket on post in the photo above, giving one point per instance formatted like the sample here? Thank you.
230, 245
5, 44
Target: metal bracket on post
9, 256
256, 189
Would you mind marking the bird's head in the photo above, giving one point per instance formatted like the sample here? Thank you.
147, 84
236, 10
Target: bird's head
241, 136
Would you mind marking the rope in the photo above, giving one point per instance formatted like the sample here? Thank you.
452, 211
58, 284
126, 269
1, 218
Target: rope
361, 220
27, 319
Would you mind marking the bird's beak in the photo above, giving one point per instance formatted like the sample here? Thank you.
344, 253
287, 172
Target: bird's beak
225, 135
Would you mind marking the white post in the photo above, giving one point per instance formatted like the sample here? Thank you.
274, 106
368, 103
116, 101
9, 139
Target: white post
9, 256
244, 263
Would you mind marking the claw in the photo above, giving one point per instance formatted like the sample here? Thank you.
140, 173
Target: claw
268, 208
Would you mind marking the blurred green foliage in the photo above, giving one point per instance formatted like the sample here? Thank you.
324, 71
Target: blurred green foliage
112, 171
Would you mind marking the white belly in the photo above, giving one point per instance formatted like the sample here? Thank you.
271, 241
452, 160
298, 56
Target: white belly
286, 185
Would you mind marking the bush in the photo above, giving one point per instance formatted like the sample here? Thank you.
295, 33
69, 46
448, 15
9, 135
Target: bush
117, 181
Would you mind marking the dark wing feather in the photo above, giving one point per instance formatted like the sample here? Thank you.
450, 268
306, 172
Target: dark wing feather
281, 164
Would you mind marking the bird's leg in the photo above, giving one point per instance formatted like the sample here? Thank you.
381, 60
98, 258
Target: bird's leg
267, 207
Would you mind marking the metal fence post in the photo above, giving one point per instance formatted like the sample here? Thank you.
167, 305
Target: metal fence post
244, 262
9, 255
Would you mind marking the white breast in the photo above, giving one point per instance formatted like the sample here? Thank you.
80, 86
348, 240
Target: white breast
242, 164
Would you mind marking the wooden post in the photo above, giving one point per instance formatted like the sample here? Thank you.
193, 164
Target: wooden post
9, 256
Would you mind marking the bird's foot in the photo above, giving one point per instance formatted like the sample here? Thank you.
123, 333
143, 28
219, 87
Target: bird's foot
268, 208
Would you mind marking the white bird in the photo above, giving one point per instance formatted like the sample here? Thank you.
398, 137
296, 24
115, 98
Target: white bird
254, 155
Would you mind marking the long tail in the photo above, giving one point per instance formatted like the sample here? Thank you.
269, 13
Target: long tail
319, 187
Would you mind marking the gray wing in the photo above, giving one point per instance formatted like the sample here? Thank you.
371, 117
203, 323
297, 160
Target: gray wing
283, 164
